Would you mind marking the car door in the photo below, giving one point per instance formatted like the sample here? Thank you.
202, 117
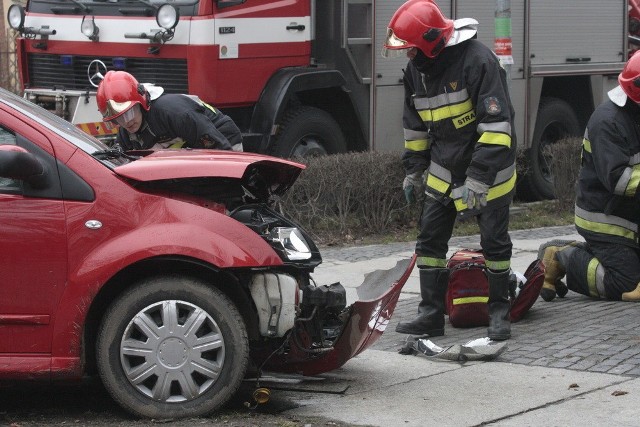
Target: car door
33, 246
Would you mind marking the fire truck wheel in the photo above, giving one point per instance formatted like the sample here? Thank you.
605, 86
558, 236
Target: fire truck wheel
307, 132
172, 347
556, 120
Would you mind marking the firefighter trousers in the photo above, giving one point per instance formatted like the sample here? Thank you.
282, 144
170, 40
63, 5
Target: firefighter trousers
436, 226
601, 270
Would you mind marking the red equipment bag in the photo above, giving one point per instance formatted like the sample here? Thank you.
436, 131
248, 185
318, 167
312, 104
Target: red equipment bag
468, 290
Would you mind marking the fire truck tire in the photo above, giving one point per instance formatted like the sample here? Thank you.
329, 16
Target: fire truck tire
556, 120
172, 347
308, 132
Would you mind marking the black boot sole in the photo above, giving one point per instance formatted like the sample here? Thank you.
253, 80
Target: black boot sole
431, 332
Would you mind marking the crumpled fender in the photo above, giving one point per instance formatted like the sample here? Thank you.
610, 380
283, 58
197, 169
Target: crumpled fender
369, 317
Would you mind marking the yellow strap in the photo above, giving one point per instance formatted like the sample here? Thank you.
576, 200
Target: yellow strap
417, 145
437, 184
591, 277
597, 227
446, 112
495, 138
470, 300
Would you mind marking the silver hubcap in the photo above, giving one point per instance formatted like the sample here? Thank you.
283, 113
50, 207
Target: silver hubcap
172, 351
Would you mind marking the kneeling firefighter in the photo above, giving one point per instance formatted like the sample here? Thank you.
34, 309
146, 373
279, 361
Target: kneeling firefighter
607, 210
459, 147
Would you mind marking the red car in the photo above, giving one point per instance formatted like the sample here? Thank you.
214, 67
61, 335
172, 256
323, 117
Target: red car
167, 273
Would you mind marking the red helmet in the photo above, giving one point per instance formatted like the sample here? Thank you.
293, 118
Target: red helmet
419, 24
629, 78
118, 92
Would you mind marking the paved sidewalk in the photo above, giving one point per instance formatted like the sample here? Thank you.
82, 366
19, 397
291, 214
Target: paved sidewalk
570, 361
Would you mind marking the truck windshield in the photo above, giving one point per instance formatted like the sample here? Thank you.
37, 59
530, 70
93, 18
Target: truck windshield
109, 7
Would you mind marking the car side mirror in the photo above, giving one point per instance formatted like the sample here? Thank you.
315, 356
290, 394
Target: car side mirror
18, 163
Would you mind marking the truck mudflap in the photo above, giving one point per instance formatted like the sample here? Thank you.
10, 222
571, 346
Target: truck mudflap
368, 318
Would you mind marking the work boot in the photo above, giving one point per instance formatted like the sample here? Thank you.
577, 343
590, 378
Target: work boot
430, 320
499, 305
633, 295
553, 270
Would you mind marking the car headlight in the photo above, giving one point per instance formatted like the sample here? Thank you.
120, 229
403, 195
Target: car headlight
291, 242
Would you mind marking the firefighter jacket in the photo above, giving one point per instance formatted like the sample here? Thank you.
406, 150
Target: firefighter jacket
179, 121
607, 199
458, 123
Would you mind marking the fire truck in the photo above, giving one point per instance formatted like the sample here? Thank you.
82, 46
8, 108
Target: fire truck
305, 77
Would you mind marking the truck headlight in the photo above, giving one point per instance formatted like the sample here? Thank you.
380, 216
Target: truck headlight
89, 28
291, 242
15, 16
167, 16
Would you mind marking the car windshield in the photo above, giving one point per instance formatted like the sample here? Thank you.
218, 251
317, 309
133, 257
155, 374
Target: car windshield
66, 130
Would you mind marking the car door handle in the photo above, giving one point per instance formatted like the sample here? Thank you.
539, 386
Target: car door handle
296, 27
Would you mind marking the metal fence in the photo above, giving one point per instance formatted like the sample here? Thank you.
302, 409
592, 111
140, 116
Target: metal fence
8, 62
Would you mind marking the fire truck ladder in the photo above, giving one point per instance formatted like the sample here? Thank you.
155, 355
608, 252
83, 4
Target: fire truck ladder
357, 37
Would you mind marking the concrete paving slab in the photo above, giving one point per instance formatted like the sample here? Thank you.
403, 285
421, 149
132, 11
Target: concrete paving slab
417, 391
615, 405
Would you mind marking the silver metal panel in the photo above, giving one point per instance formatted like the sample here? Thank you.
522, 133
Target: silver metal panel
388, 119
484, 13
588, 31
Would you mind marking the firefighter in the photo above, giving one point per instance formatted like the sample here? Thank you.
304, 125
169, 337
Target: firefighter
459, 147
607, 211
149, 119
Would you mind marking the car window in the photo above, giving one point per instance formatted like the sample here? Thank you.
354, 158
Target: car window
8, 185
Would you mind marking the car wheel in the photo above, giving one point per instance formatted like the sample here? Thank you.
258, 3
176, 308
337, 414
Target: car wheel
172, 347
556, 120
308, 132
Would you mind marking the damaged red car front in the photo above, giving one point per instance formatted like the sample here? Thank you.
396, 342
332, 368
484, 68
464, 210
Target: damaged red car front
167, 273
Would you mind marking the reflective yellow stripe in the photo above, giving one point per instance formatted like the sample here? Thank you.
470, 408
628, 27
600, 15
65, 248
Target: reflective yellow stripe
177, 144
495, 138
497, 265
632, 186
425, 261
446, 112
586, 144
417, 145
470, 300
502, 189
494, 192
209, 107
598, 227
591, 277
437, 184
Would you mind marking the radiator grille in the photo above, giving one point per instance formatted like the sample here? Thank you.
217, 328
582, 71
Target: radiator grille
46, 71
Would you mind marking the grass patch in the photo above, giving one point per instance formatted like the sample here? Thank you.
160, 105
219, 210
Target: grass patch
523, 216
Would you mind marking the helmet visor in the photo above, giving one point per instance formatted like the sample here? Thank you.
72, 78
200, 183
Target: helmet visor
126, 116
394, 46
114, 109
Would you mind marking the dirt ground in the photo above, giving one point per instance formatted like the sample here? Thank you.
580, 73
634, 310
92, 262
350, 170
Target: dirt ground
86, 403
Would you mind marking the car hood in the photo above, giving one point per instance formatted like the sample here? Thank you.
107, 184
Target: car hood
160, 165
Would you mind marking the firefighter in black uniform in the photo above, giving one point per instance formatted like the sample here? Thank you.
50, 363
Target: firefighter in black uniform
460, 147
607, 209
149, 119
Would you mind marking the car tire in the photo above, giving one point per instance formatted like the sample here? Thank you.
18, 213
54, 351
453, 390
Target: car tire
177, 331
308, 132
555, 120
